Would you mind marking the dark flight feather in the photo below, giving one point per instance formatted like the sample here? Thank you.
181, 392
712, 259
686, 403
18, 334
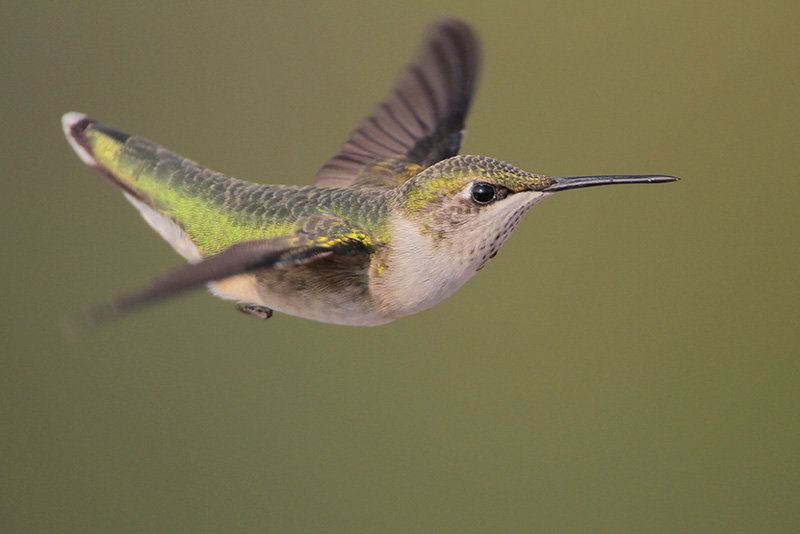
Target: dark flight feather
421, 122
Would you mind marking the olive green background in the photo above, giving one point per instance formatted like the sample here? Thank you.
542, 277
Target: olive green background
628, 363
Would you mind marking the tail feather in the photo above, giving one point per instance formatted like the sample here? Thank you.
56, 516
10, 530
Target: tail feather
198, 211
148, 175
96, 145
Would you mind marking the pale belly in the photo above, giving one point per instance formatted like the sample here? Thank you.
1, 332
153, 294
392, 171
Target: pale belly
341, 302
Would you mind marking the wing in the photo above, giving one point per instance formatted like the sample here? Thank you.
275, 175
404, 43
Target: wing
422, 120
282, 252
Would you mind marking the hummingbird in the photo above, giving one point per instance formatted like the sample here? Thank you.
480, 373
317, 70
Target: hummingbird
395, 222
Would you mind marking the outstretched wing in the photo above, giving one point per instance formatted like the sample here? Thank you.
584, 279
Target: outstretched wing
241, 258
422, 120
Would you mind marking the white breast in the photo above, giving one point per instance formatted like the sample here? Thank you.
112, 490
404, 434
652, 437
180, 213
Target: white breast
424, 270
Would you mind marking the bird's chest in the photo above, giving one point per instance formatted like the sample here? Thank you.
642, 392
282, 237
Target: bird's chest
420, 270
423, 268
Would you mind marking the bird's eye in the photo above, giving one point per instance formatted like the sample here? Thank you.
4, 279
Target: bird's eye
483, 193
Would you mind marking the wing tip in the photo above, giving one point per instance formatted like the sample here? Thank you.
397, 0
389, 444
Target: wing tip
449, 21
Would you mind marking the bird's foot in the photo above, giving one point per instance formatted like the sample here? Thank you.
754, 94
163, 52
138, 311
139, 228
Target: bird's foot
262, 312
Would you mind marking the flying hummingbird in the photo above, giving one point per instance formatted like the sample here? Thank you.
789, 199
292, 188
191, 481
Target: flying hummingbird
395, 222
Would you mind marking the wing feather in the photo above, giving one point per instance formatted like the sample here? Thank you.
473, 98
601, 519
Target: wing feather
282, 252
421, 122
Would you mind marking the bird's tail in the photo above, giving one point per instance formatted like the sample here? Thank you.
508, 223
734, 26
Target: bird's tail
182, 200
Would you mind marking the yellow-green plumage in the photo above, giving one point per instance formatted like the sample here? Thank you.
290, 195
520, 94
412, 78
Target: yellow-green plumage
216, 211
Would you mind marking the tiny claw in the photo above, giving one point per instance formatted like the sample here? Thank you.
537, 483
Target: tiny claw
262, 312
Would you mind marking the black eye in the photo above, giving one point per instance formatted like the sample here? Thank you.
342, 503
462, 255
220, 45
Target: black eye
483, 193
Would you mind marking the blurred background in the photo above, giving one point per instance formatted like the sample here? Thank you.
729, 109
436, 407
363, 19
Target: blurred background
628, 363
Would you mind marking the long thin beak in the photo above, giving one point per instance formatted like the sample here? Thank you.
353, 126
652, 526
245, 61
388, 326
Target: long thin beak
574, 182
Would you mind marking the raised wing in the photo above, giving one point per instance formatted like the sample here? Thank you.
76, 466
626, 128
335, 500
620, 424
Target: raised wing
420, 123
